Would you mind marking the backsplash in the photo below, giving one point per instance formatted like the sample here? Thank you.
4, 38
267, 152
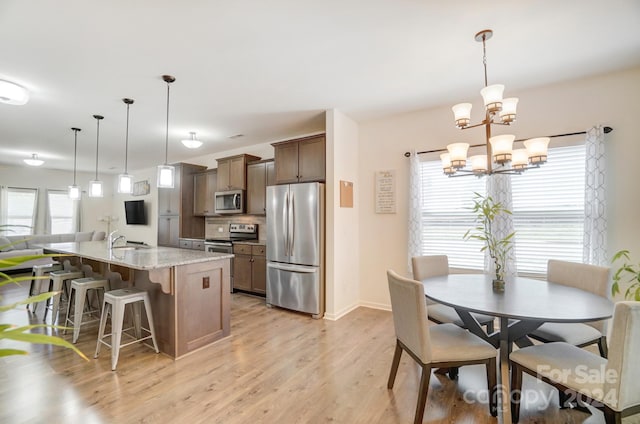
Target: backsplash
214, 225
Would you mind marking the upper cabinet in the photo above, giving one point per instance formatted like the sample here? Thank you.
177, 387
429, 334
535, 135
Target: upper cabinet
259, 176
232, 172
205, 186
300, 160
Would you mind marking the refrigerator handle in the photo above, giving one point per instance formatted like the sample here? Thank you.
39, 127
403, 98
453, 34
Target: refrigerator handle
292, 223
285, 219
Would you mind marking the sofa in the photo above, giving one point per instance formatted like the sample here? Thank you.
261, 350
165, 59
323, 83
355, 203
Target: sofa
25, 245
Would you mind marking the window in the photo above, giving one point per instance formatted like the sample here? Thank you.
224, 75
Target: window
62, 213
548, 213
19, 210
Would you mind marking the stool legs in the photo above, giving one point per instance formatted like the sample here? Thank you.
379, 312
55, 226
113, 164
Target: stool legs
117, 317
103, 322
147, 307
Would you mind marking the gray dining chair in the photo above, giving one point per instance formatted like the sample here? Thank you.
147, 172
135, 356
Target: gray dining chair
434, 266
612, 385
433, 346
592, 278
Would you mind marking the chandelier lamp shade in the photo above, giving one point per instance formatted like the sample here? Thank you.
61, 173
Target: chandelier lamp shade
166, 172
74, 190
500, 156
33, 160
192, 142
12, 93
95, 185
125, 181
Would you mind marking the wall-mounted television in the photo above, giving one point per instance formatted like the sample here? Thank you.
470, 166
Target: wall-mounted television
134, 212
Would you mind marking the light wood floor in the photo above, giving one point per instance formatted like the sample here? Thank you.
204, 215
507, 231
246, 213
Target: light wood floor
277, 367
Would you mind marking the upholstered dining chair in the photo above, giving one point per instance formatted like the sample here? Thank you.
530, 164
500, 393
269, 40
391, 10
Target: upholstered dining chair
434, 266
435, 346
592, 278
612, 385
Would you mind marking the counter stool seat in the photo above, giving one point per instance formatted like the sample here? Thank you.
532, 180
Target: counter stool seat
37, 272
116, 300
81, 287
56, 284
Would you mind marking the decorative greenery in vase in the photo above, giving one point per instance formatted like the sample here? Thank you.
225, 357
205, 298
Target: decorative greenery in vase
487, 211
631, 274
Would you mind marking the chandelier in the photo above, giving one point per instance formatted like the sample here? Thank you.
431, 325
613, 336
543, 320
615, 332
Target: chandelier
500, 158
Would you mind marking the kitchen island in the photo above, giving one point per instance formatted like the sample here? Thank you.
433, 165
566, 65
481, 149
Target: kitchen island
189, 289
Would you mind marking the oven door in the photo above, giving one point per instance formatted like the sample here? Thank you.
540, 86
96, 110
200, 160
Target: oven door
229, 202
222, 247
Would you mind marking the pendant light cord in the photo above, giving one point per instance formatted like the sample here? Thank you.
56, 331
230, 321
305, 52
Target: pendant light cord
166, 140
126, 142
75, 152
97, 144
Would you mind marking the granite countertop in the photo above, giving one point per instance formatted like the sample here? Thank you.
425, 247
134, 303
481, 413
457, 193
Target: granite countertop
135, 256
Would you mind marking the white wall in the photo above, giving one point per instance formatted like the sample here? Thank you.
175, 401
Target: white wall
611, 99
42, 179
342, 228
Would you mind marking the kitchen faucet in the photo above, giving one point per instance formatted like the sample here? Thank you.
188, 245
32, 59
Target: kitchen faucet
113, 241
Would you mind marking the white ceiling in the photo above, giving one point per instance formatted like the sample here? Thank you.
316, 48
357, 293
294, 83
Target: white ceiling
268, 69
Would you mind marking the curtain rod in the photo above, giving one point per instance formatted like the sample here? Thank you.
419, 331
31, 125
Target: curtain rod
606, 130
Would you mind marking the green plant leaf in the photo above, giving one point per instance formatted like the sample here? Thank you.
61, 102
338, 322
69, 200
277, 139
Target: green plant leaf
18, 334
33, 299
9, 352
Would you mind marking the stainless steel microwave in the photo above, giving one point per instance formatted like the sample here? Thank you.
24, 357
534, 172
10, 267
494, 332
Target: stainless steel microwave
229, 202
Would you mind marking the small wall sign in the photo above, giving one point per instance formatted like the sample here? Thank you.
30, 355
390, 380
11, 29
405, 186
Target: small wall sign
385, 195
141, 188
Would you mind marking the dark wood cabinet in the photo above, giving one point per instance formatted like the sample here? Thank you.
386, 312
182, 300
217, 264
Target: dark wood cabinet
259, 176
300, 160
232, 172
250, 268
176, 207
205, 186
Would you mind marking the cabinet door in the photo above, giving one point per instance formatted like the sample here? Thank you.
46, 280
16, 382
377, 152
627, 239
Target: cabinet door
237, 176
200, 194
223, 175
271, 173
212, 186
286, 163
311, 160
169, 201
168, 228
242, 272
259, 274
256, 188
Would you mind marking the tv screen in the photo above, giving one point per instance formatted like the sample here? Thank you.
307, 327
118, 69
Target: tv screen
134, 211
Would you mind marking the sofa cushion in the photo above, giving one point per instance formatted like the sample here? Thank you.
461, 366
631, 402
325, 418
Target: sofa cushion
84, 236
5, 244
19, 242
98, 235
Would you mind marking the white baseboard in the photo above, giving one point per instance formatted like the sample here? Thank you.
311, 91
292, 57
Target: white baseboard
373, 305
340, 314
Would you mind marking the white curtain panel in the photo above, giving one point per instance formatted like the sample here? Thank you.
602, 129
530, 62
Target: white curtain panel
595, 221
415, 210
499, 188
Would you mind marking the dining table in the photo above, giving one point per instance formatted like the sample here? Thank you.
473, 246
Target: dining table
523, 306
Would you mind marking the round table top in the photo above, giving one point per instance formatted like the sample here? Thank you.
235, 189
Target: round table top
523, 298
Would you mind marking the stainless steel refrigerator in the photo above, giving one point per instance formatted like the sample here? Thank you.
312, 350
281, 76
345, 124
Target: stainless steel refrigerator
295, 247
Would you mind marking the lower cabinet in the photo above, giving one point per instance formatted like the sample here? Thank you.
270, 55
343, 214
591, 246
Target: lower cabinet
250, 268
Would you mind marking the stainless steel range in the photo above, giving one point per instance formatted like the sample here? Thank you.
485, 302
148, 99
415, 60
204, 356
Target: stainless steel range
237, 232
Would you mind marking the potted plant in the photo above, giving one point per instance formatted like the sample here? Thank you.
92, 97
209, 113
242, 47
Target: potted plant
487, 211
630, 273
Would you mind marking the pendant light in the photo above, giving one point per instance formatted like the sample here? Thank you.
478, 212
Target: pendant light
166, 172
74, 190
125, 181
193, 142
95, 186
34, 161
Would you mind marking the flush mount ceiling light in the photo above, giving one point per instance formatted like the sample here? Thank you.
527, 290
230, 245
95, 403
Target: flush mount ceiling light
95, 186
125, 181
12, 93
34, 161
499, 148
166, 172
74, 190
192, 143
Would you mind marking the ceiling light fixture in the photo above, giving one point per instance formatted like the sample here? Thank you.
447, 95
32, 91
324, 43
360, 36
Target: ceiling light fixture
166, 172
12, 93
95, 186
499, 148
74, 190
192, 143
125, 181
34, 161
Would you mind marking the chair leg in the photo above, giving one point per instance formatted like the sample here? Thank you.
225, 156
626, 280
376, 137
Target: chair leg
152, 329
422, 394
602, 346
516, 391
490, 328
564, 399
103, 323
394, 365
492, 385
611, 416
78, 312
453, 373
67, 318
117, 316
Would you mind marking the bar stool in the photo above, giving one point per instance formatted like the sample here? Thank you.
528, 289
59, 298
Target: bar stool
116, 300
56, 284
37, 272
81, 287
